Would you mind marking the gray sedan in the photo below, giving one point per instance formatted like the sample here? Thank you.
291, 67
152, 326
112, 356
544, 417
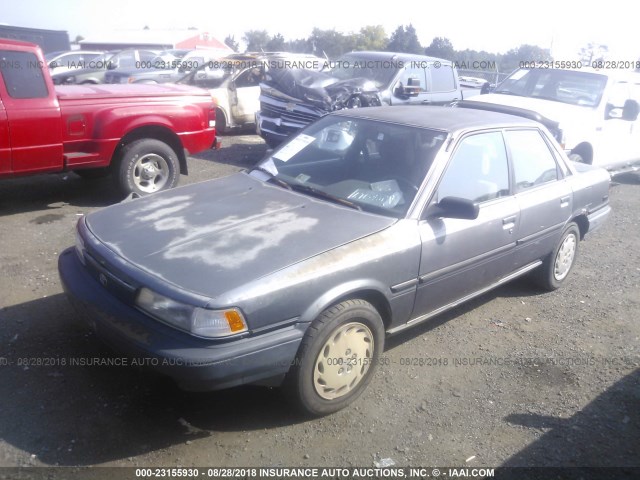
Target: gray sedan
364, 224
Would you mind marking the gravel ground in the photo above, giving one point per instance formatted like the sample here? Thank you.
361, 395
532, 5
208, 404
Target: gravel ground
515, 378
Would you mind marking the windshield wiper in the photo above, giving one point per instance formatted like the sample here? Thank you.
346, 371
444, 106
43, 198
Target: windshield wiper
275, 179
325, 195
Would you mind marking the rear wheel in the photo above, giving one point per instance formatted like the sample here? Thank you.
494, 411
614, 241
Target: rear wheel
337, 357
147, 166
221, 122
556, 267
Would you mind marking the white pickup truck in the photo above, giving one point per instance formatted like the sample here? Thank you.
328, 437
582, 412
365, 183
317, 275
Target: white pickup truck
596, 111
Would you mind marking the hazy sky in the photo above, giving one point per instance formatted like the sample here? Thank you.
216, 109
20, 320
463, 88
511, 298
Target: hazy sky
492, 25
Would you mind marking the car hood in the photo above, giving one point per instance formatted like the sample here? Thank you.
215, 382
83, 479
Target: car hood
563, 113
317, 88
211, 237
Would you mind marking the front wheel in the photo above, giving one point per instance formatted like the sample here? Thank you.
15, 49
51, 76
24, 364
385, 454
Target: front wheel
147, 166
337, 357
556, 267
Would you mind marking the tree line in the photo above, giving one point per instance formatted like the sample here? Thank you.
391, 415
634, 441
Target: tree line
404, 39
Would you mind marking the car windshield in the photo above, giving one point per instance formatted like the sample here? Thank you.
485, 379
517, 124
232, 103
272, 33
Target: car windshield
348, 67
364, 164
207, 76
566, 86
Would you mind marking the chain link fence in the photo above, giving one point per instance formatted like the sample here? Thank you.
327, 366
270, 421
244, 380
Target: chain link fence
475, 78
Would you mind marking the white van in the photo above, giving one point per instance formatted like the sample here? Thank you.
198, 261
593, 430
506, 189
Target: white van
596, 110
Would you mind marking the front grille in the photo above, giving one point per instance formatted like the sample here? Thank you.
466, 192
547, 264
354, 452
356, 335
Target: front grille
288, 111
106, 275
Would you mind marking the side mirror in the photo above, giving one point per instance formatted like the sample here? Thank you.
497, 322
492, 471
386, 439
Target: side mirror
411, 89
455, 207
630, 110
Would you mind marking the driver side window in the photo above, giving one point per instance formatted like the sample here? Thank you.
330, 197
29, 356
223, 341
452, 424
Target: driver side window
478, 170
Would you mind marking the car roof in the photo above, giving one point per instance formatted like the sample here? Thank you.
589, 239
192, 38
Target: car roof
449, 119
394, 56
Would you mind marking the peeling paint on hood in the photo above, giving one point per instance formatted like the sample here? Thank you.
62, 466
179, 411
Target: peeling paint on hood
211, 237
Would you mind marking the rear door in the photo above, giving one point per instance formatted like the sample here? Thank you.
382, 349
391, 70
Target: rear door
544, 196
32, 111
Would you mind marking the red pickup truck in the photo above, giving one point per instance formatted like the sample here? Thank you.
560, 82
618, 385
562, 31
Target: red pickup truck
141, 134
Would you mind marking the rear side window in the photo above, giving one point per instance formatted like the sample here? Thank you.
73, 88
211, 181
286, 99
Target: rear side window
533, 162
442, 78
22, 75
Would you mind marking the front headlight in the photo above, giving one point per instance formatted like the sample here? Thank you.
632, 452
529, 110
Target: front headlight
198, 321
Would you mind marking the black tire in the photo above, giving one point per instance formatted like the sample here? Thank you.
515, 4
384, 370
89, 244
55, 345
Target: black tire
147, 166
354, 326
221, 122
93, 173
557, 266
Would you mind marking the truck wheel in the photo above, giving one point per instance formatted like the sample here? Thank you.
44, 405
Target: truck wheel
147, 166
556, 267
337, 357
221, 122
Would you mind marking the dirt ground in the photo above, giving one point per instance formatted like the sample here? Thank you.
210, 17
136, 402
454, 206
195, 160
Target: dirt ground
517, 377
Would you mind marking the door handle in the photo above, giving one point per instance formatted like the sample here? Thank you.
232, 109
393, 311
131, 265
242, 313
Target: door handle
564, 201
426, 102
508, 223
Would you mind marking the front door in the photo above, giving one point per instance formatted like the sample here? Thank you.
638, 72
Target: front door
32, 111
460, 257
244, 95
5, 141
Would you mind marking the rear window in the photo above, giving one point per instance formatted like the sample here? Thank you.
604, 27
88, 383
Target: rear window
22, 75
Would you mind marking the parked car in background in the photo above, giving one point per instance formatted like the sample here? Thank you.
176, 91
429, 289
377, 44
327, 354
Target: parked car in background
234, 83
291, 99
368, 222
139, 134
596, 111
166, 67
60, 62
98, 67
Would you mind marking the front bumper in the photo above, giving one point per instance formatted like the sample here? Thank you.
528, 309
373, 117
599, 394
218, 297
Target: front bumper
272, 130
196, 364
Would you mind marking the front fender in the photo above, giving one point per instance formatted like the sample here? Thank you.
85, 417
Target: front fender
350, 289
